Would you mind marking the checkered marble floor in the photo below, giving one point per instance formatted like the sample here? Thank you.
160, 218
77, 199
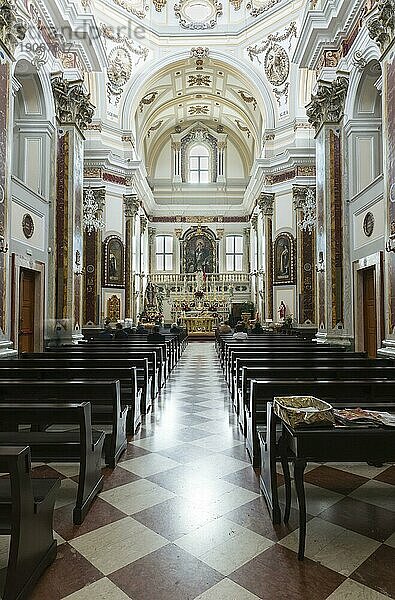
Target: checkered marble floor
182, 518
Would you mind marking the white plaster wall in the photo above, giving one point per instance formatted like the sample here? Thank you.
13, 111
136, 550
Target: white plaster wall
18, 211
234, 166
113, 214
164, 164
33, 163
283, 212
360, 239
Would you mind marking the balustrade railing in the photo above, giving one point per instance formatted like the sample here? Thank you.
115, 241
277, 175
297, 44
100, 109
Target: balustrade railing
212, 279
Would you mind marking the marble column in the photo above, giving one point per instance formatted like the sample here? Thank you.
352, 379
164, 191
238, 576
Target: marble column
12, 31
93, 259
151, 249
305, 208
221, 250
142, 269
325, 113
255, 296
74, 112
131, 207
246, 249
381, 28
266, 204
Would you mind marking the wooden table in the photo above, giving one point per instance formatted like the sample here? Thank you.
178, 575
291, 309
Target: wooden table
328, 444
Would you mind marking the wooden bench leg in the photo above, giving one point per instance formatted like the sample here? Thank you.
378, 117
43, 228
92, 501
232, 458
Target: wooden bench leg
32, 549
90, 480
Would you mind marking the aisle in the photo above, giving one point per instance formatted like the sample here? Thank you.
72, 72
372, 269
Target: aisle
181, 517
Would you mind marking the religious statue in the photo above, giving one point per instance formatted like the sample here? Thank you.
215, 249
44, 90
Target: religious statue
284, 261
112, 265
199, 280
282, 309
150, 294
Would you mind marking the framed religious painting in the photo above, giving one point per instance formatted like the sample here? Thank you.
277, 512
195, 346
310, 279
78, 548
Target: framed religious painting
113, 262
199, 251
284, 259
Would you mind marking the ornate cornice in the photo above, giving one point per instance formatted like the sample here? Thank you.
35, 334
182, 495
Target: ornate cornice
381, 27
327, 105
12, 27
72, 103
265, 203
131, 205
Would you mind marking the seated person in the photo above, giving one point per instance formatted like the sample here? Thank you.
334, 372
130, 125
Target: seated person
240, 333
141, 328
257, 329
155, 336
106, 334
120, 334
174, 328
225, 327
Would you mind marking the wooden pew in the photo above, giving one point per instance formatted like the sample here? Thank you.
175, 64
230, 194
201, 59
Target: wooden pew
144, 380
171, 345
274, 347
251, 369
84, 446
334, 391
145, 362
118, 348
104, 396
260, 358
162, 351
156, 362
130, 396
26, 514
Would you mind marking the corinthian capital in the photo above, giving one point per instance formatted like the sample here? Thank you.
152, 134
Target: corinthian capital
72, 104
265, 203
12, 28
327, 105
381, 27
299, 196
131, 204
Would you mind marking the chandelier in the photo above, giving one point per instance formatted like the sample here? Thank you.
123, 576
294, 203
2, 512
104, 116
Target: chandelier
309, 214
92, 220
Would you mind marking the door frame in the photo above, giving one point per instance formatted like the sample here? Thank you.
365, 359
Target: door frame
19, 263
376, 261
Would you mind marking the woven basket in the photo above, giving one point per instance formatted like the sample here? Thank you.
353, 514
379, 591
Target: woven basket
303, 411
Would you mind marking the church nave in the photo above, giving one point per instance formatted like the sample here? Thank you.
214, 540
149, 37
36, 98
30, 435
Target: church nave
181, 517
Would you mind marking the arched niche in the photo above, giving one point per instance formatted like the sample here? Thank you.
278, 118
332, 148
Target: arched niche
364, 130
33, 131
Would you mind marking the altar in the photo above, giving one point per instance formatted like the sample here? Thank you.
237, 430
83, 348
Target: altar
201, 325
200, 306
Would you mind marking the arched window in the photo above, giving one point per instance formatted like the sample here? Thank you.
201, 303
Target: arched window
199, 164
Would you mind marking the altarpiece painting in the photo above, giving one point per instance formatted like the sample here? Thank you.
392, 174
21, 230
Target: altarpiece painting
199, 251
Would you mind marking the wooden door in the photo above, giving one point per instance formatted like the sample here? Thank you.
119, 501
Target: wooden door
26, 311
369, 312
